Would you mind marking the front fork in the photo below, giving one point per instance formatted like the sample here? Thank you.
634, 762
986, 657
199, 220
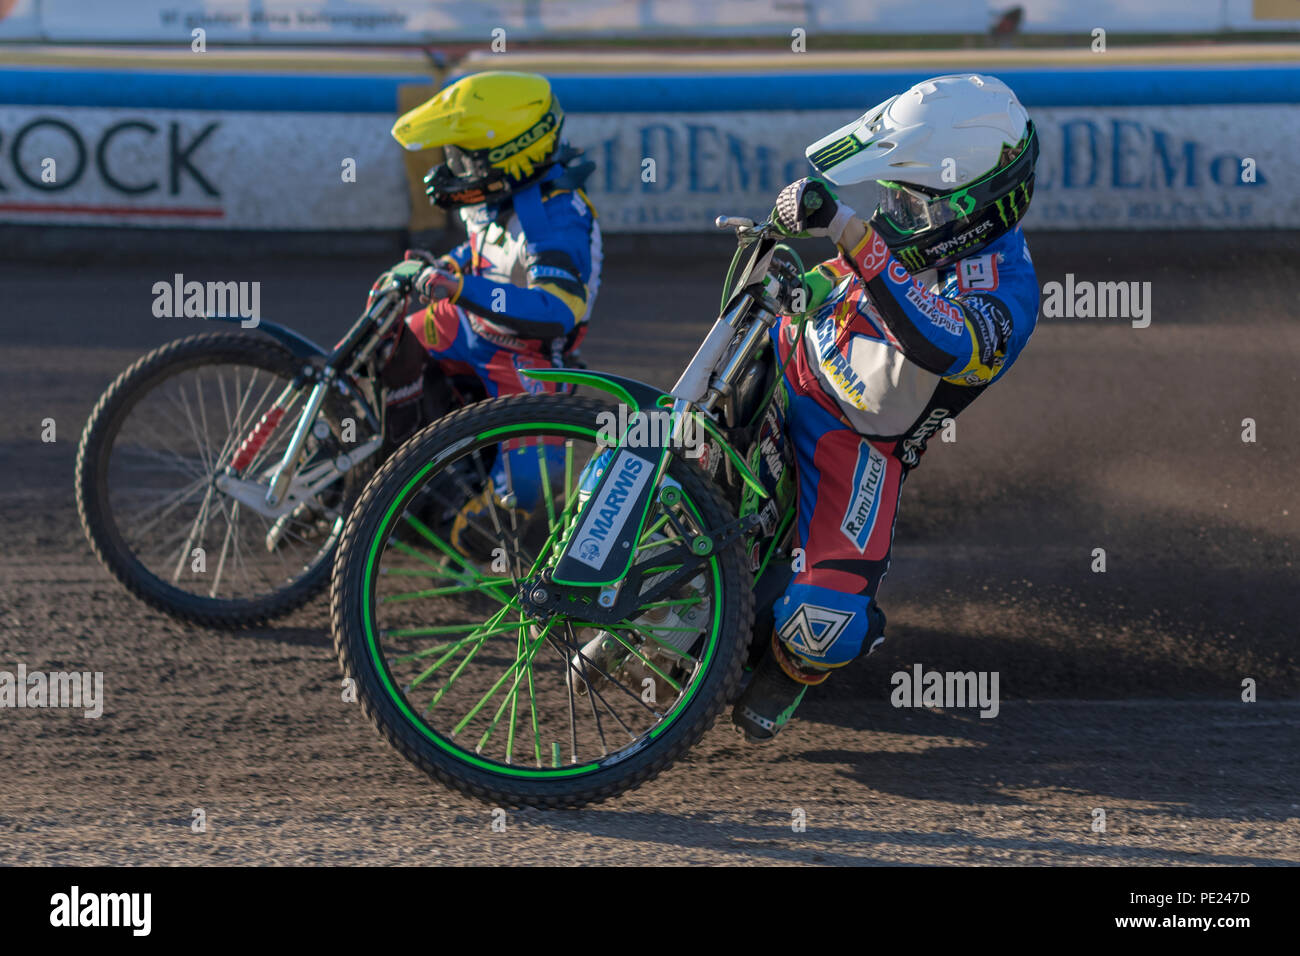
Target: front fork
288, 465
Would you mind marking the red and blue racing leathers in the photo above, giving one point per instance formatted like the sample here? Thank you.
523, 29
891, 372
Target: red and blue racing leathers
886, 359
531, 270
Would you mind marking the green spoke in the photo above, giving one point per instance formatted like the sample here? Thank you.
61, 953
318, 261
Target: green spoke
661, 568
431, 592
450, 552
460, 668
433, 629
568, 470
545, 550
442, 571
512, 695
514, 703
421, 556
659, 523
527, 656
662, 542
532, 706
428, 651
458, 644
545, 474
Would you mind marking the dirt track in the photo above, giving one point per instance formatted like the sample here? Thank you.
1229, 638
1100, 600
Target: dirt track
1120, 690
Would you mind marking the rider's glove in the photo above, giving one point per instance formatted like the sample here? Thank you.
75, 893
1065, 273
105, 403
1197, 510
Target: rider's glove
430, 282
429, 259
437, 282
807, 208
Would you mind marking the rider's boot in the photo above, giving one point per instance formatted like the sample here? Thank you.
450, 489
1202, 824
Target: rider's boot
776, 689
782, 677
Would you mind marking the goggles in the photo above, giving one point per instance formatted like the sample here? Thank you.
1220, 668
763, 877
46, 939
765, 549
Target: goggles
914, 209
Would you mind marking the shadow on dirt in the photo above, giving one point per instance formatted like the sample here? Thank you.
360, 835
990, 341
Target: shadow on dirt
776, 843
1195, 759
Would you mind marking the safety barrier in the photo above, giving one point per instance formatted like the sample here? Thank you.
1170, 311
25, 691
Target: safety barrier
1134, 147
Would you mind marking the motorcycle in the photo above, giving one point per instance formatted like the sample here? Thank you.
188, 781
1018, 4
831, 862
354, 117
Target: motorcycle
214, 475
581, 631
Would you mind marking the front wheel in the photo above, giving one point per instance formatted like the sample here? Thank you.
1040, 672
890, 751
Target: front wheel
147, 481
503, 706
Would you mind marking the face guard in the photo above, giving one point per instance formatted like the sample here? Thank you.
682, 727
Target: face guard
468, 177
465, 179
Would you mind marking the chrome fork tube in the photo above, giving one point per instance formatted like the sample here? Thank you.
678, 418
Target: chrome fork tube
284, 472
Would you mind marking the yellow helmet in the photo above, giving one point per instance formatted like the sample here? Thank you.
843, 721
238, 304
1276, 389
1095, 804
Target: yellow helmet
499, 131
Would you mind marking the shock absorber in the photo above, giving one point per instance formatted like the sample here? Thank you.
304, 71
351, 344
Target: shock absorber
256, 439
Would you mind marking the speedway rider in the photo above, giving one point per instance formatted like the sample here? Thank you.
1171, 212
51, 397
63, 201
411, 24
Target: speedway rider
518, 292
929, 302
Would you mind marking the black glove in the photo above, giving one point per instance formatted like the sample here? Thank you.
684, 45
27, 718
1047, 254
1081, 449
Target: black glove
808, 208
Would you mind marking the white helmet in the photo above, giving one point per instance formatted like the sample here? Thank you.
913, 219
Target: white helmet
955, 155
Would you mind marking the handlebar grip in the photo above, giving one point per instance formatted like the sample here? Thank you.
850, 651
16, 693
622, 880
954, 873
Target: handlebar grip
728, 222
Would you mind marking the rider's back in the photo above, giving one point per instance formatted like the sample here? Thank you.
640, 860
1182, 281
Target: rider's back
897, 354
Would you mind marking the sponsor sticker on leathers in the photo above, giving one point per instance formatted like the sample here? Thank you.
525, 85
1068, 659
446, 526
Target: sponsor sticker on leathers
864, 507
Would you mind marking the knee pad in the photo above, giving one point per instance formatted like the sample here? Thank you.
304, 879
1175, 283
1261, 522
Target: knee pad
826, 627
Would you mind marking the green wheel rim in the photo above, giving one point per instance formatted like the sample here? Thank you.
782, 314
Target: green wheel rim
499, 589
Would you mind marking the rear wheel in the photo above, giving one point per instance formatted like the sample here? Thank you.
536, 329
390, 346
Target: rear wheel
146, 478
507, 707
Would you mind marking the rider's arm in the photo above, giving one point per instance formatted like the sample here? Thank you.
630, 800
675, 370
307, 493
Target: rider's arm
961, 338
855, 230
559, 272
461, 255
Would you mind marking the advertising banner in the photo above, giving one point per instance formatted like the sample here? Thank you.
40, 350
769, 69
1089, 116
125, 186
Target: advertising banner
315, 153
1135, 167
200, 169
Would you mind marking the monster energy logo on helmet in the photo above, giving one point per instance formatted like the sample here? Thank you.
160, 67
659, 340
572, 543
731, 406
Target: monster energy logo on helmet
1007, 207
911, 258
832, 154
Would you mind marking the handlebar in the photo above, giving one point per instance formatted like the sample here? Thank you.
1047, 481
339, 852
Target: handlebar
746, 228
